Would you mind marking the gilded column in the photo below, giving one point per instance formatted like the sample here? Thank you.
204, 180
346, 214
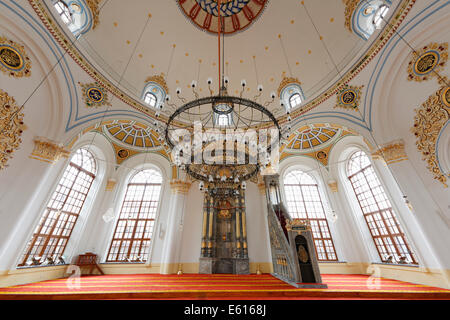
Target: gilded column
238, 228
210, 226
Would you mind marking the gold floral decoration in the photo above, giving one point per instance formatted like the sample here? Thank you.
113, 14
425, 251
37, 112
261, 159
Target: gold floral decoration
349, 97
13, 59
49, 151
160, 80
94, 95
429, 120
12, 127
392, 152
426, 62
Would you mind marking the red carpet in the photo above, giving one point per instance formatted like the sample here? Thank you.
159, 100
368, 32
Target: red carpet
196, 286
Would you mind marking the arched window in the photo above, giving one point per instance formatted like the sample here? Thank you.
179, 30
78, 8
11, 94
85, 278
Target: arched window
295, 100
63, 11
150, 99
134, 229
384, 227
53, 231
304, 202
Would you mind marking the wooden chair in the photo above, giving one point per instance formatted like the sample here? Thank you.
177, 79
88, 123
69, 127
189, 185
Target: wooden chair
89, 259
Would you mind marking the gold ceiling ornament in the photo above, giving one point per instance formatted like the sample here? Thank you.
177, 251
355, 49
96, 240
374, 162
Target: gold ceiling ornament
48, 151
13, 59
350, 7
349, 97
12, 127
160, 80
429, 120
297, 224
285, 82
333, 185
94, 95
392, 152
427, 62
93, 5
179, 186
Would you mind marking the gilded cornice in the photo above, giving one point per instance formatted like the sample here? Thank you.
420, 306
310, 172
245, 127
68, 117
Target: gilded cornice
392, 152
48, 151
12, 127
178, 186
429, 120
110, 184
350, 7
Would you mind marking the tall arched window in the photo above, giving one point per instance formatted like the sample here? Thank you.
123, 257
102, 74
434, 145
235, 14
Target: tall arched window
304, 202
384, 227
55, 227
134, 229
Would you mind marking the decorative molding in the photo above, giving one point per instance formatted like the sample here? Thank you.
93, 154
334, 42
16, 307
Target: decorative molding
13, 59
94, 95
333, 185
429, 120
93, 5
110, 184
262, 187
285, 82
349, 97
48, 151
178, 186
297, 223
12, 127
160, 80
426, 62
390, 30
350, 7
392, 152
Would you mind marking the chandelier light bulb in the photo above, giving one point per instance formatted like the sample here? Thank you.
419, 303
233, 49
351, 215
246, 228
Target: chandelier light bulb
168, 98
281, 103
178, 90
243, 82
273, 95
260, 88
226, 80
210, 80
193, 83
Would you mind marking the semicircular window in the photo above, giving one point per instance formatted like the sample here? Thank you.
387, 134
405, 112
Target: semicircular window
313, 137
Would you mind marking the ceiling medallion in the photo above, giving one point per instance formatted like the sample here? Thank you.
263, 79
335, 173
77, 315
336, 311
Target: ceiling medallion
13, 59
429, 120
349, 97
427, 62
94, 95
236, 15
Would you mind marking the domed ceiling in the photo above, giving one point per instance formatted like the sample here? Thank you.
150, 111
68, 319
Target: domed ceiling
266, 41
